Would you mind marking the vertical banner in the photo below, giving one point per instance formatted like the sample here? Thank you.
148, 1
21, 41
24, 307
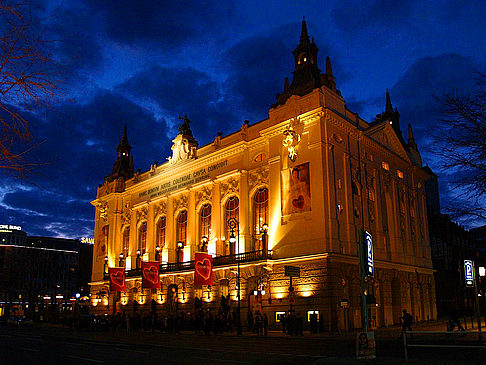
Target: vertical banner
469, 273
368, 251
117, 279
296, 190
203, 269
150, 275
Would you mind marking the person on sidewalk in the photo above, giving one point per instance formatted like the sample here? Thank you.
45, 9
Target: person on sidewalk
407, 320
455, 321
265, 324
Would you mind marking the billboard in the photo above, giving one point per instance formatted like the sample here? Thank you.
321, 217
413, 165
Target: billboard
369, 260
469, 273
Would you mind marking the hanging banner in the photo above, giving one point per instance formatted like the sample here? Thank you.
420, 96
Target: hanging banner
150, 275
203, 269
117, 279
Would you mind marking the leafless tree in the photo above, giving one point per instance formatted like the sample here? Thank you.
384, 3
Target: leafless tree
27, 81
460, 144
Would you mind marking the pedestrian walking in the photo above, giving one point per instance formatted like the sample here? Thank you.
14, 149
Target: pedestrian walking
407, 320
265, 324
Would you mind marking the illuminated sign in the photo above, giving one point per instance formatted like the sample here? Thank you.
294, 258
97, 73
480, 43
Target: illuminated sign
88, 240
10, 228
469, 272
369, 254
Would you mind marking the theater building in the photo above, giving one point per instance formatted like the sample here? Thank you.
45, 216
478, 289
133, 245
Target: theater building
302, 186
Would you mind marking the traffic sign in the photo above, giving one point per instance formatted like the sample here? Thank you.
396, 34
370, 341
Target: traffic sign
292, 271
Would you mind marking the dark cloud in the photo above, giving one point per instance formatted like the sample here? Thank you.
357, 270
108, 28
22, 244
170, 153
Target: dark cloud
181, 91
352, 16
429, 78
169, 24
257, 67
78, 150
74, 31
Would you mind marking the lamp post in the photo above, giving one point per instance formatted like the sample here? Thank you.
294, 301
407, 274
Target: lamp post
157, 253
180, 246
120, 262
264, 231
138, 260
204, 243
106, 265
233, 224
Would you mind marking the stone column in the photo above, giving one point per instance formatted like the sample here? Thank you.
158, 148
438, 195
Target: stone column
244, 218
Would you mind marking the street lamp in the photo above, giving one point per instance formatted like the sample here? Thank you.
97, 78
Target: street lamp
264, 231
180, 246
120, 262
106, 265
233, 224
138, 259
204, 242
157, 253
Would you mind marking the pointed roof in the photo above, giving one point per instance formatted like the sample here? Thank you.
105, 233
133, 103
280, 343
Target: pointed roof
388, 105
304, 36
124, 145
411, 139
328, 66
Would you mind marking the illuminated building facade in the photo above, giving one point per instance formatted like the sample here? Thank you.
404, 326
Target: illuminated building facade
302, 185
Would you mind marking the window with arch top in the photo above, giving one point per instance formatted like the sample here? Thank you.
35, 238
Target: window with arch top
204, 225
142, 237
181, 234
231, 210
260, 215
161, 225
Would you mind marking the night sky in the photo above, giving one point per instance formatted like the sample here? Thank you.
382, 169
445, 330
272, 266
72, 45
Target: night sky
143, 63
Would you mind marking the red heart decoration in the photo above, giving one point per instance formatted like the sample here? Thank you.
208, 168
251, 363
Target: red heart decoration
299, 202
151, 274
203, 268
117, 278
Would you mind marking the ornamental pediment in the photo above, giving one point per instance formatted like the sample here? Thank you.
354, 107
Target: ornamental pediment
384, 134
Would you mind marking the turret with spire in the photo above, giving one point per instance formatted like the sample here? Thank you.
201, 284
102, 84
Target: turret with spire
307, 75
391, 116
123, 166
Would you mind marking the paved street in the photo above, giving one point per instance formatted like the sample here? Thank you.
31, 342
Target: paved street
56, 345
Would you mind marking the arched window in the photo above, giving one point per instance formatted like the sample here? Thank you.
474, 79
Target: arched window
126, 242
142, 237
161, 224
204, 226
260, 215
231, 210
181, 235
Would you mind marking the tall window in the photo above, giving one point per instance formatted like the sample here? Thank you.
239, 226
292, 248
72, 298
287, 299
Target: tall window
126, 242
182, 227
204, 226
260, 215
181, 235
161, 224
142, 237
231, 210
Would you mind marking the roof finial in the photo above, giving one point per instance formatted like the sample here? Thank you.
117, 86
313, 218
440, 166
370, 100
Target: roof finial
388, 106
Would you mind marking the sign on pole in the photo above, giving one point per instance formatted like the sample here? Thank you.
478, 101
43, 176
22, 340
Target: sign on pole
369, 260
292, 271
469, 273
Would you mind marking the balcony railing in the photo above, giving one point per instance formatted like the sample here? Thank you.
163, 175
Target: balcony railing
217, 261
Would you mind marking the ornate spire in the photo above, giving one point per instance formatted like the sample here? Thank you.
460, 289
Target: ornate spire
328, 66
411, 139
123, 146
304, 36
388, 105
123, 166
